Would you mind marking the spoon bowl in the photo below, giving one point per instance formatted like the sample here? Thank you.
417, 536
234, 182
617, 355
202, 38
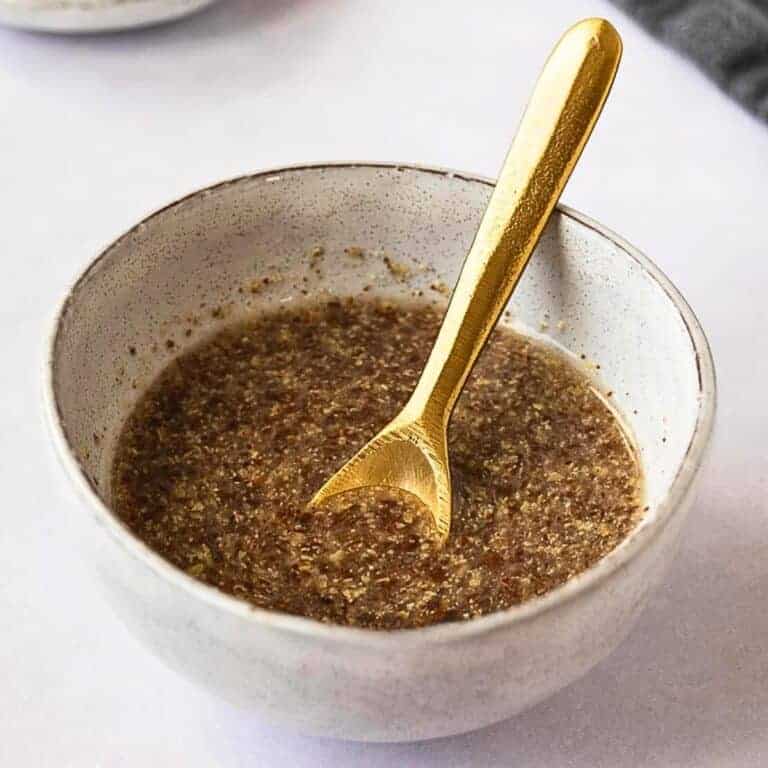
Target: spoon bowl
408, 454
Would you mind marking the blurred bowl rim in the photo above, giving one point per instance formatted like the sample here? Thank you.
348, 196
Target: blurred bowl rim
93, 16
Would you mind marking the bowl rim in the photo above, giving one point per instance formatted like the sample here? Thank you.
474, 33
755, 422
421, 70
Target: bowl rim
441, 633
76, 17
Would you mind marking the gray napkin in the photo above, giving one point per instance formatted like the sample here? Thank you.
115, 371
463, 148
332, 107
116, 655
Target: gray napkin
728, 39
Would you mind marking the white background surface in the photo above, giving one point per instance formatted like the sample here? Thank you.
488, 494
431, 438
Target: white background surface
95, 132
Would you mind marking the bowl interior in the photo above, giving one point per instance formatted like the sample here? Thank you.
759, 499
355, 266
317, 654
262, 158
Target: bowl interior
203, 261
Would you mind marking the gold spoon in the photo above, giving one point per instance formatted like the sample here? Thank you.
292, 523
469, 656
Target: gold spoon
411, 452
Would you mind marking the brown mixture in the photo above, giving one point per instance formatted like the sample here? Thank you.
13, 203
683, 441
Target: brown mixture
215, 467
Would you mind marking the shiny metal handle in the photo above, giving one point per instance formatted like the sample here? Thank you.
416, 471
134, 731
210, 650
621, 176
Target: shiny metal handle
565, 105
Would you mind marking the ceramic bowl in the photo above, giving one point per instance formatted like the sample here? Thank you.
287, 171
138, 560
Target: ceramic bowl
78, 16
585, 288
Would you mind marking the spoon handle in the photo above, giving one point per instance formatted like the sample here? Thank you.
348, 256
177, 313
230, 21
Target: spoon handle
563, 109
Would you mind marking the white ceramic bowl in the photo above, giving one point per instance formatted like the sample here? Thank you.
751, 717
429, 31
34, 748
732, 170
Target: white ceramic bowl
618, 310
78, 16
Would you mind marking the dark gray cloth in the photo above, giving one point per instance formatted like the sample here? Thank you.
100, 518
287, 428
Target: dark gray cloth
728, 39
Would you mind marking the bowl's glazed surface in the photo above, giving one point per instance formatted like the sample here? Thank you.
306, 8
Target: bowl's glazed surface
186, 266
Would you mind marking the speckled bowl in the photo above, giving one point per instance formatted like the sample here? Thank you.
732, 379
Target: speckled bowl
80, 16
587, 289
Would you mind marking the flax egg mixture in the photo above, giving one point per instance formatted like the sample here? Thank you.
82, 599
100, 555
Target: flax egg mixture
216, 465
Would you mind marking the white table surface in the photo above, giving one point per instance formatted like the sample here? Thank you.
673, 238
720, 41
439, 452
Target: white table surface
95, 132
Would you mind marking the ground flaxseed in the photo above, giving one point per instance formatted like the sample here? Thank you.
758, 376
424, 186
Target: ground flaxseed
216, 464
